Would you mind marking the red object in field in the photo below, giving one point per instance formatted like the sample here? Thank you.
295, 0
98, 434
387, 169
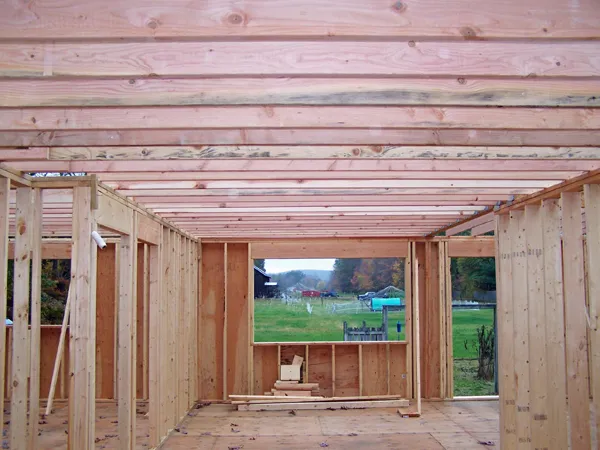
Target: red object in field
311, 293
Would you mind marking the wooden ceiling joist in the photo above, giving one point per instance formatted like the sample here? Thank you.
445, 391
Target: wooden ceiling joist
302, 58
345, 117
364, 135
450, 90
112, 19
338, 117
429, 164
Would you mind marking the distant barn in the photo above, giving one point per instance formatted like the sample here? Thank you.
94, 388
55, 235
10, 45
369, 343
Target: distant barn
263, 286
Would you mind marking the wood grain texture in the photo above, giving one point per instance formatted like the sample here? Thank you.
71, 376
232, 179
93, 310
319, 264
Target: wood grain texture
244, 136
260, 58
346, 370
320, 368
21, 293
538, 372
4, 250
238, 371
555, 324
50, 338
265, 369
112, 118
83, 329
520, 328
425, 163
576, 336
209, 153
505, 330
591, 194
127, 337
361, 248
144, 18
398, 370
463, 91
212, 319
106, 322
374, 369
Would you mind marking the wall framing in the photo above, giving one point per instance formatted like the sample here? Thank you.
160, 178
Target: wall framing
547, 295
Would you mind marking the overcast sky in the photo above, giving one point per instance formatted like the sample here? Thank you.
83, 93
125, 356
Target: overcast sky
284, 265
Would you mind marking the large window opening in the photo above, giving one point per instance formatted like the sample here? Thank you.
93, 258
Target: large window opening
329, 300
473, 331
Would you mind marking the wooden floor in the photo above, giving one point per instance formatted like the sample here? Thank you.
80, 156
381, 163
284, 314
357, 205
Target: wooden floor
53, 429
449, 425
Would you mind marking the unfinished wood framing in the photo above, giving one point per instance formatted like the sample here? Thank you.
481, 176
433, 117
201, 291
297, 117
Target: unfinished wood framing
377, 129
82, 329
4, 231
545, 377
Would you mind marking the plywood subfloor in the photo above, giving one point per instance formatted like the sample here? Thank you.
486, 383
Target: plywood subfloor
53, 429
443, 425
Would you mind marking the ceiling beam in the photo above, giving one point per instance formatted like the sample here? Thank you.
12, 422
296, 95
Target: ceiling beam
340, 117
282, 136
450, 91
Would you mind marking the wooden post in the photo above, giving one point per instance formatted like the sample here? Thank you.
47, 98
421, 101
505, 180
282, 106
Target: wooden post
82, 330
555, 325
416, 328
521, 326
505, 314
4, 211
21, 349
591, 194
408, 265
127, 337
155, 336
537, 327
576, 322
36, 312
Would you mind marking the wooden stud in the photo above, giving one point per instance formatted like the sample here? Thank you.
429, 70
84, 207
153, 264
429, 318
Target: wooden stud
591, 194
360, 370
146, 322
505, 318
408, 281
306, 359
155, 338
416, 328
36, 319
555, 325
127, 338
225, 319
576, 323
4, 224
521, 327
449, 319
21, 351
333, 370
250, 331
82, 330
537, 332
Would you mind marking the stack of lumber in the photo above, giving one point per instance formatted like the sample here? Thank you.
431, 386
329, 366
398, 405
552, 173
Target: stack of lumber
294, 389
283, 403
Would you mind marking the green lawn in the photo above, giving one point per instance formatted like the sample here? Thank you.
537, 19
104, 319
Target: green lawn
275, 321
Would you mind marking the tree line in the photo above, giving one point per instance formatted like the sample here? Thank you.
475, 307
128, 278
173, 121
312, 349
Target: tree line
469, 275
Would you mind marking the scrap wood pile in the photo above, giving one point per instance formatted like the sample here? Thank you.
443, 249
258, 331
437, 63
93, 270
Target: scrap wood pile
290, 393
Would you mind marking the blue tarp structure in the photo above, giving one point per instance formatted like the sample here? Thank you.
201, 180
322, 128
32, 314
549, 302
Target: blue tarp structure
377, 304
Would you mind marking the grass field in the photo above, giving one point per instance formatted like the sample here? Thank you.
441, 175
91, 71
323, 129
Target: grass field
274, 321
